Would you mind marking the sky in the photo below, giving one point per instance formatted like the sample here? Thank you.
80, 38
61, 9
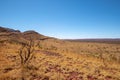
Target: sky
64, 19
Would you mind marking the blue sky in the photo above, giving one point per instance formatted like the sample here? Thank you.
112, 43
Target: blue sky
63, 18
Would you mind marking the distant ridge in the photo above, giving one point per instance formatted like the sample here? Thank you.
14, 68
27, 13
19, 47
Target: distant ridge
7, 34
101, 40
3, 29
11, 35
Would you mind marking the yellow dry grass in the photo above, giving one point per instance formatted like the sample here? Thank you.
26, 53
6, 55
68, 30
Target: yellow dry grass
62, 60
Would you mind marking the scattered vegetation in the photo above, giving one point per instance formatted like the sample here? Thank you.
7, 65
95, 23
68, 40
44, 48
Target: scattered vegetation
54, 59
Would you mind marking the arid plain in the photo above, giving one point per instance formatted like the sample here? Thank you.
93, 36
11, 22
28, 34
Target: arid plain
32, 56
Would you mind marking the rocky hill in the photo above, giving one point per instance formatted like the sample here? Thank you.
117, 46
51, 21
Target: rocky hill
3, 29
11, 35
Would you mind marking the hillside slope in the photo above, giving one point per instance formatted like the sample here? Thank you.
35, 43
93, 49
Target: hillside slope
56, 59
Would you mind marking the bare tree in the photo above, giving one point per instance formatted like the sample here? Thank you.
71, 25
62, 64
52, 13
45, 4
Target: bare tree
26, 54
